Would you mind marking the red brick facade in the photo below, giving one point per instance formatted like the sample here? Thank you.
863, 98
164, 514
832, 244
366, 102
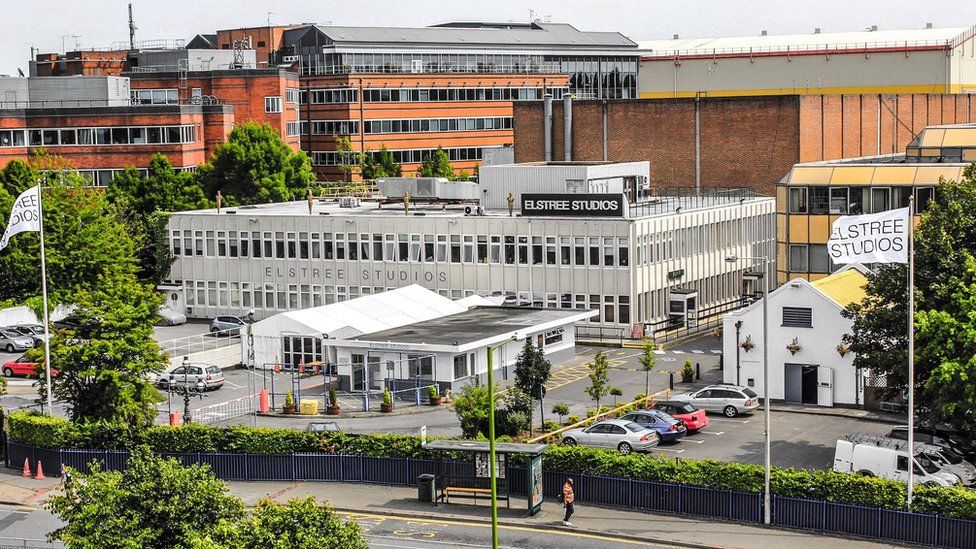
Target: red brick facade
745, 141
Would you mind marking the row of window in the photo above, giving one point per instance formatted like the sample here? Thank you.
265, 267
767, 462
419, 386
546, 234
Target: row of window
404, 95
690, 241
334, 127
163, 96
856, 200
810, 258
401, 156
285, 297
577, 251
414, 125
138, 135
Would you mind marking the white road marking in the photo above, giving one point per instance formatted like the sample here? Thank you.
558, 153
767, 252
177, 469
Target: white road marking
711, 433
717, 351
697, 352
729, 420
232, 384
659, 352
659, 449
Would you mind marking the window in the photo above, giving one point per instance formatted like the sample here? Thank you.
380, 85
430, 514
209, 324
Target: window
798, 200
424, 365
819, 200
553, 336
838, 200
798, 258
798, 317
902, 463
819, 261
460, 366
272, 104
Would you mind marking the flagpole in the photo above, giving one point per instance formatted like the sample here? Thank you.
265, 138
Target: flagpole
911, 349
47, 332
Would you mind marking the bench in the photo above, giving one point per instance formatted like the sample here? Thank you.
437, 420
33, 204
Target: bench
472, 493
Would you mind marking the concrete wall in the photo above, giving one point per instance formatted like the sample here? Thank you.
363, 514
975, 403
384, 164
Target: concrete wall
197, 60
498, 181
13, 89
110, 91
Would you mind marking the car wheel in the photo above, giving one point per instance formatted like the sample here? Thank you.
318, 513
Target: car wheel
569, 441
214, 330
624, 448
10, 348
730, 411
37, 344
8, 372
865, 473
163, 383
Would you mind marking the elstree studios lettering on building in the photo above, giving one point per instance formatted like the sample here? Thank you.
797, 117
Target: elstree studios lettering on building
573, 205
365, 274
870, 238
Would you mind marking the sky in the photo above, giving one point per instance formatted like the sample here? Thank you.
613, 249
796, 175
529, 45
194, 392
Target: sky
49, 25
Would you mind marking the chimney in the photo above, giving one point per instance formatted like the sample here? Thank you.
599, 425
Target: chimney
874, 28
547, 124
677, 36
816, 30
764, 33
928, 25
567, 127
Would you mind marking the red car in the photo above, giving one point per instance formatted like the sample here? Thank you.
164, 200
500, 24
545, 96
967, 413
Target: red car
694, 418
22, 367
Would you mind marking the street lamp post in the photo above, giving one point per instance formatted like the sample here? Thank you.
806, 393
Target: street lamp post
186, 390
492, 473
767, 497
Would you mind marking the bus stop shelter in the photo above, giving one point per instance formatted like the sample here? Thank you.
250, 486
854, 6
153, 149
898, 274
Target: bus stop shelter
469, 477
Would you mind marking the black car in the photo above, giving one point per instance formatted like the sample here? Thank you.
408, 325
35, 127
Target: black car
952, 442
73, 323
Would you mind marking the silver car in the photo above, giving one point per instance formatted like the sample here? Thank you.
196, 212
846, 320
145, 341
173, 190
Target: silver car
730, 400
625, 436
34, 331
227, 325
11, 340
211, 376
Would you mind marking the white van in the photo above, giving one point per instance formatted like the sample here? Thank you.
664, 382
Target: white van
949, 462
888, 459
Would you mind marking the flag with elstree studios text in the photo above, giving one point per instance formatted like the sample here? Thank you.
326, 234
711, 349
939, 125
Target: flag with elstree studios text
25, 215
873, 238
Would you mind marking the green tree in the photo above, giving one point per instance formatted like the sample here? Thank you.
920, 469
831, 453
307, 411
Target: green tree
382, 164
599, 378
346, 157
17, 176
560, 410
84, 238
616, 392
945, 243
300, 523
104, 364
471, 407
647, 361
437, 165
154, 503
532, 372
254, 166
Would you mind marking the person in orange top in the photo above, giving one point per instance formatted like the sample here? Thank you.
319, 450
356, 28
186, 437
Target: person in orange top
568, 499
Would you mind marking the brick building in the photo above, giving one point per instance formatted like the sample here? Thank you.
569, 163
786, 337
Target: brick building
749, 141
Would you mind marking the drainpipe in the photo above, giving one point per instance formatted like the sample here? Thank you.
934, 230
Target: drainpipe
738, 326
547, 124
567, 127
698, 144
604, 130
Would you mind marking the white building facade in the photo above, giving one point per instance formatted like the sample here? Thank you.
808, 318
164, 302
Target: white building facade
807, 361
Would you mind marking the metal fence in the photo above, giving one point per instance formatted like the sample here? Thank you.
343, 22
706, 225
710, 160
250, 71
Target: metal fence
659, 497
224, 411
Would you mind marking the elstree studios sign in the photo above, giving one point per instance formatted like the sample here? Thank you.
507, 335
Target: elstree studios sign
573, 205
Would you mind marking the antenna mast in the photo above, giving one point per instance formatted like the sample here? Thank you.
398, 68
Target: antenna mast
132, 30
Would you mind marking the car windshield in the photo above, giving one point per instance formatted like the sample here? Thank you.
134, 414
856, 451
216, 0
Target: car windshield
951, 457
633, 427
659, 415
750, 393
926, 464
11, 333
37, 329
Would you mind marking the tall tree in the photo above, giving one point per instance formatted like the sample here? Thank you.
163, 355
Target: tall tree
437, 165
255, 166
647, 361
104, 364
532, 372
945, 243
599, 378
346, 156
154, 503
382, 164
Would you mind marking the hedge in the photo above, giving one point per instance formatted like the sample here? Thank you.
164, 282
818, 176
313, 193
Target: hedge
51, 432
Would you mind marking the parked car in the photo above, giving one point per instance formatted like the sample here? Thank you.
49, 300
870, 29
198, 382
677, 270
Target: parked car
727, 399
12, 341
34, 331
82, 327
694, 418
22, 367
323, 427
670, 429
169, 317
625, 436
227, 325
211, 376
890, 461
952, 442
949, 461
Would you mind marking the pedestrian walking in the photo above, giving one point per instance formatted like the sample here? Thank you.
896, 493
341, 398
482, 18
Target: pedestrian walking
568, 498
65, 474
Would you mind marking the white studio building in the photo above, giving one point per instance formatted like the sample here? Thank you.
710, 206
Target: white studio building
807, 363
408, 337
579, 235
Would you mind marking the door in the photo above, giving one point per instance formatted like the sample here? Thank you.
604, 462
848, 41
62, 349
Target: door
375, 373
794, 383
595, 436
825, 386
704, 400
809, 391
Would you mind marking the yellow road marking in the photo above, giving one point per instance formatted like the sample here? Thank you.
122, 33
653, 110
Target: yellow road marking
565, 533
413, 533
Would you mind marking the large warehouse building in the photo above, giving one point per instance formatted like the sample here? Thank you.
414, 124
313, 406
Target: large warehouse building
569, 241
927, 60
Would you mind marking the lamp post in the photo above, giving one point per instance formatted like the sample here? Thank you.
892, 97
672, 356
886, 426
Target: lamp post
767, 497
492, 473
186, 390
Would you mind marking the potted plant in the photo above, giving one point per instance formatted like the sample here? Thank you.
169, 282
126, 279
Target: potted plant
794, 347
289, 407
748, 345
843, 350
387, 405
434, 395
687, 372
333, 408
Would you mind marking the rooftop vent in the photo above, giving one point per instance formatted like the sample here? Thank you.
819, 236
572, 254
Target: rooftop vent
928, 25
764, 33
816, 30
675, 37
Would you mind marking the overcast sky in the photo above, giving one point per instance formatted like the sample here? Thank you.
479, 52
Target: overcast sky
98, 23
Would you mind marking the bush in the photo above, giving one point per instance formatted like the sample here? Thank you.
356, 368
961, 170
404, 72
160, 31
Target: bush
333, 400
572, 420
551, 425
432, 392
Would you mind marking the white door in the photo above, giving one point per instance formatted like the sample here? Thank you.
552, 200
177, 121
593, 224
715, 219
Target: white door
825, 386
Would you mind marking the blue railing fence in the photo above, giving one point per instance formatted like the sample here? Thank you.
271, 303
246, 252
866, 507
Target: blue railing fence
660, 497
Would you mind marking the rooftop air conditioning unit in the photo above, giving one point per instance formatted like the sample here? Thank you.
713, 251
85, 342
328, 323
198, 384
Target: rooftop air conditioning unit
289, 58
349, 202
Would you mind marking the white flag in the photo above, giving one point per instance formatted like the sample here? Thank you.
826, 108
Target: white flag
25, 215
872, 238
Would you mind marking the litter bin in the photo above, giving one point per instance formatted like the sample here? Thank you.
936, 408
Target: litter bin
425, 488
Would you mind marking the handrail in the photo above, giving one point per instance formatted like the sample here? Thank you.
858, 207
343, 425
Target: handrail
799, 48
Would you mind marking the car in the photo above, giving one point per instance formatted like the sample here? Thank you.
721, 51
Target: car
12, 340
83, 327
35, 331
888, 460
670, 429
944, 440
169, 317
730, 400
227, 325
188, 374
323, 427
625, 436
694, 418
